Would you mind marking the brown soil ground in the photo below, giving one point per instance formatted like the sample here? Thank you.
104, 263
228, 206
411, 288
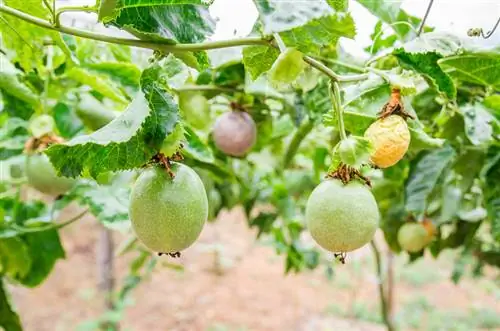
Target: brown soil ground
252, 293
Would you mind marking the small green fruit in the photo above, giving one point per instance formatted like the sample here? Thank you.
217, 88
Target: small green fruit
93, 114
413, 237
167, 213
195, 108
235, 133
342, 218
43, 177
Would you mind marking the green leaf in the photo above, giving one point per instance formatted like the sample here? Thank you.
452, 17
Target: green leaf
161, 20
15, 260
279, 16
67, 122
26, 39
110, 8
476, 68
339, 5
379, 42
422, 55
259, 59
13, 135
9, 320
424, 177
122, 72
10, 84
390, 12
320, 33
44, 249
196, 148
127, 142
492, 190
97, 83
287, 67
109, 204
478, 123
263, 222
354, 151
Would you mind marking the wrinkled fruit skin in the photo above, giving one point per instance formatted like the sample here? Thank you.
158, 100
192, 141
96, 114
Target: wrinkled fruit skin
413, 237
234, 133
43, 177
342, 218
168, 214
390, 138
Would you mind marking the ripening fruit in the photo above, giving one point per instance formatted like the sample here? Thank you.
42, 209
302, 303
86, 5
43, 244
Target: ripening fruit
390, 139
342, 218
43, 177
413, 237
167, 213
234, 133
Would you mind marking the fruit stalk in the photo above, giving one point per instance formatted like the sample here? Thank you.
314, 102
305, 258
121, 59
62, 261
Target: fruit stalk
337, 107
106, 282
381, 287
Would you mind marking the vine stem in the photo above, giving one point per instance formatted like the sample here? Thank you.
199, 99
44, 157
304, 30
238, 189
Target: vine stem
382, 292
279, 42
164, 46
60, 11
50, 227
214, 88
337, 107
155, 45
422, 24
297, 139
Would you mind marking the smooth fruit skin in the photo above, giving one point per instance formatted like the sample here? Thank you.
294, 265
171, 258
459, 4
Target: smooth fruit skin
390, 138
168, 214
342, 218
234, 133
413, 237
43, 177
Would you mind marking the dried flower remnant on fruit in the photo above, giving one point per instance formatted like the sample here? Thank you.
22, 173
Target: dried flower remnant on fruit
34, 144
346, 173
394, 106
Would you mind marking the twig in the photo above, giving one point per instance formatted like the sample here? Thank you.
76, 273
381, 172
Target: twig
422, 24
381, 288
297, 139
50, 227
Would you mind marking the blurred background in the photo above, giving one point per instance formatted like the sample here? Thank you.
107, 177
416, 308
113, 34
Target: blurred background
228, 281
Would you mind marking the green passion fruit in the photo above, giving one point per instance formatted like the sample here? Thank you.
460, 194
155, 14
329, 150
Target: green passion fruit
167, 213
342, 218
42, 176
413, 237
235, 133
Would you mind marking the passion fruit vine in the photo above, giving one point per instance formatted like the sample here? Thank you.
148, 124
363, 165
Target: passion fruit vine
168, 212
234, 133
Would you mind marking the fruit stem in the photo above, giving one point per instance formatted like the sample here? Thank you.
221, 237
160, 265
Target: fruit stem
279, 42
381, 287
337, 107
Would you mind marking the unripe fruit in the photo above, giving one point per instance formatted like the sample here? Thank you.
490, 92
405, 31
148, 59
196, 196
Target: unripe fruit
413, 237
342, 218
167, 213
390, 138
43, 177
195, 109
234, 133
